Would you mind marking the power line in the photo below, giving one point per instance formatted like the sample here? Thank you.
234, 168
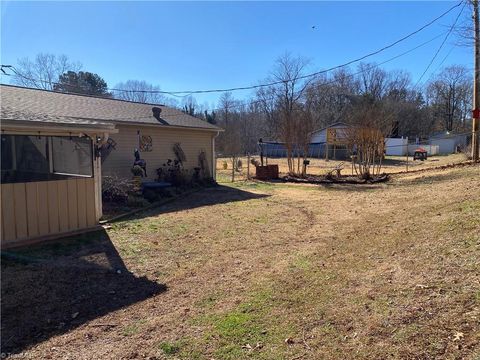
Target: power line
322, 71
254, 102
252, 87
333, 81
441, 46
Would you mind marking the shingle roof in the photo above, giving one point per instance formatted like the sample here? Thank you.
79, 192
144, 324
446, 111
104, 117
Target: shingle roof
42, 105
8, 113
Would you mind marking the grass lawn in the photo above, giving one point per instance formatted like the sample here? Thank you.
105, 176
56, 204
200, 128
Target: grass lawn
391, 165
263, 271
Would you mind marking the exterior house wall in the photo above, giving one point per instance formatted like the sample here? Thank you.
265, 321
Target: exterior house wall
447, 143
120, 160
45, 208
396, 146
320, 136
445, 146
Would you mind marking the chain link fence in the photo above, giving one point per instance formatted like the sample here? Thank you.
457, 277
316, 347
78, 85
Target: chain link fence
441, 151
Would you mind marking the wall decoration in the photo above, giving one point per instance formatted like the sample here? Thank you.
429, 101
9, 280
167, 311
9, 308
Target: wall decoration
179, 154
145, 143
107, 148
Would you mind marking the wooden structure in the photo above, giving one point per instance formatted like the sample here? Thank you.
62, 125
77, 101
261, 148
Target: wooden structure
335, 136
267, 172
51, 177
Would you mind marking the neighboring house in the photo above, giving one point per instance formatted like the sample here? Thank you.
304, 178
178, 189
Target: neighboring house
48, 132
50, 176
335, 134
337, 129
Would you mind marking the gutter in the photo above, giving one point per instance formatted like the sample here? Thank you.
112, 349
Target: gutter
175, 127
27, 127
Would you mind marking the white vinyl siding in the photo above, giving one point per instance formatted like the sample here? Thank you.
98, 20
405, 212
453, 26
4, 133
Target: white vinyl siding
120, 160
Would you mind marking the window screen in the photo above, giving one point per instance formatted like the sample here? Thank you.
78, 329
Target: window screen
72, 156
7, 158
31, 154
37, 158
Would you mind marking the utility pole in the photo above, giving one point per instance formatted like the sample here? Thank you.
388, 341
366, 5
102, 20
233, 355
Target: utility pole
476, 85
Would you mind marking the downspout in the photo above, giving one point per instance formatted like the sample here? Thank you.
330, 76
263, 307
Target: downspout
214, 158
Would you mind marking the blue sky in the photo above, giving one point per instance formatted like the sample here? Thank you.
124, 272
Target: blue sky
203, 45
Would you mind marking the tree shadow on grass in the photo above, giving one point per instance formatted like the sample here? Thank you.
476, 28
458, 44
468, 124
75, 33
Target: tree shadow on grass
211, 196
53, 288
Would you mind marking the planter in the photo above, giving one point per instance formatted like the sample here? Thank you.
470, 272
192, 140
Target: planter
268, 172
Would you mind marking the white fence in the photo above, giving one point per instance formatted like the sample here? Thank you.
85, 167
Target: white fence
431, 149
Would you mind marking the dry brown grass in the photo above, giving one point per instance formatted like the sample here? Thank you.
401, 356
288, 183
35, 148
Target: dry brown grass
373, 271
392, 165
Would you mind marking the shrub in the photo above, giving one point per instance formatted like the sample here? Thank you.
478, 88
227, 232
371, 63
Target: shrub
137, 171
173, 172
116, 190
225, 165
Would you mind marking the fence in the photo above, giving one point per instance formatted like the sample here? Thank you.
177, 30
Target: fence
396, 159
315, 150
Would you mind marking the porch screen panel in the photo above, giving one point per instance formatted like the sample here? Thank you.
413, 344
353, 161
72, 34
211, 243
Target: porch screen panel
72, 156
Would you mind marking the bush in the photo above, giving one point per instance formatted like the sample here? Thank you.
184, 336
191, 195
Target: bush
173, 172
116, 190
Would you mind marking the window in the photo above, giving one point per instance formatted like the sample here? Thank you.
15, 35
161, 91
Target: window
39, 158
72, 156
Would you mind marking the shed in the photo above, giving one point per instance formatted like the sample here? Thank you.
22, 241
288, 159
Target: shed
50, 175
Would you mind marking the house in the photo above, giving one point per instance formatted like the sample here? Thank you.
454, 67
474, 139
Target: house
330, 142
334, 132
50, 175
332, 137
59, 145
150, 128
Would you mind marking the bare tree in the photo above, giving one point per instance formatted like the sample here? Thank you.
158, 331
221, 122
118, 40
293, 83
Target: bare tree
288, 73
139, 91
366, 138
230, 141
266, 103
44, 71
373, 80
305, 125
464, 29
189, 105
450, 95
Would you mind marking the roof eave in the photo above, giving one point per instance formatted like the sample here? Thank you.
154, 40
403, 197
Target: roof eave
42, 126
138, 123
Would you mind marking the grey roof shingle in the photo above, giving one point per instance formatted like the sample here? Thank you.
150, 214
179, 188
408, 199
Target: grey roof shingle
43, 105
